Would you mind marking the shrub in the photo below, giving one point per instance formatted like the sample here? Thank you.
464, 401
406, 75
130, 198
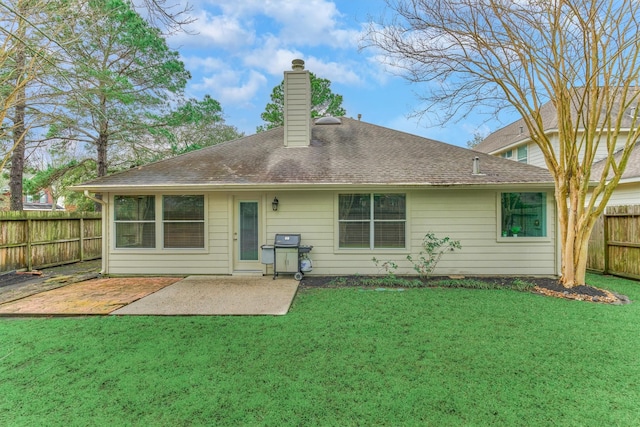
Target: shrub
432, 250
388, 267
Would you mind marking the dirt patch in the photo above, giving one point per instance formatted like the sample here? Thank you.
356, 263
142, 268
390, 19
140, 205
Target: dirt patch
17, 285
542, 285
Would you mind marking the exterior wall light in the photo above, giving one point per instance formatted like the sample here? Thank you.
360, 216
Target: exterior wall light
274, 204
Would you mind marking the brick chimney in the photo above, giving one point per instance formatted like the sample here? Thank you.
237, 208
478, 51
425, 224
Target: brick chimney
297, 106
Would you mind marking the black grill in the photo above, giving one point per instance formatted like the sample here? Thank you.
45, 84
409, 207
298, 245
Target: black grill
287, 254
287, 240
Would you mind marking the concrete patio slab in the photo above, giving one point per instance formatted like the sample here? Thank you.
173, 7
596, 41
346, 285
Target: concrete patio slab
99, 296
217, 295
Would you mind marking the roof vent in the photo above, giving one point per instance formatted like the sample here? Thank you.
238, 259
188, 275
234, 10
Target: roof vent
328, 120
476, 166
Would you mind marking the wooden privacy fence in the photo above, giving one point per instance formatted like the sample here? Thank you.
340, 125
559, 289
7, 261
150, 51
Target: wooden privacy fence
614, 246
44, 239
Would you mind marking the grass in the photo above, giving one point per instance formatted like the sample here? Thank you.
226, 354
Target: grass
341, 357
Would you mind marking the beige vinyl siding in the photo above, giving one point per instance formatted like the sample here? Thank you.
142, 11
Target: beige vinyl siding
536, 158
309, 213
297, 124
470, 216
214, 259
466, 215
626, 194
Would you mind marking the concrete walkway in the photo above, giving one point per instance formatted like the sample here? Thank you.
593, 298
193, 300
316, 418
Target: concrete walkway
166, 296
218, 295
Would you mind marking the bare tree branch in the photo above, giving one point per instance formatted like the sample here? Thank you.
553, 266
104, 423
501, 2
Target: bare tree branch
568, 65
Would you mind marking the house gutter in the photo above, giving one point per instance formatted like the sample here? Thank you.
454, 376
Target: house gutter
312, 186
105, 229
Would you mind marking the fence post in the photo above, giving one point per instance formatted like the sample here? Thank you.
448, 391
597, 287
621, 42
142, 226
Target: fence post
28, 249
81, 239
606, 242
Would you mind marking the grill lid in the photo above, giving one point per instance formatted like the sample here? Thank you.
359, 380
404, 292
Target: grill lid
288, 240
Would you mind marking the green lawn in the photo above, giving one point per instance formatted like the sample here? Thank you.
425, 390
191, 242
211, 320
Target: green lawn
340, 357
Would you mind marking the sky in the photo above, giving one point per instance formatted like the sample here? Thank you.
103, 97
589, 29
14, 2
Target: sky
238, 50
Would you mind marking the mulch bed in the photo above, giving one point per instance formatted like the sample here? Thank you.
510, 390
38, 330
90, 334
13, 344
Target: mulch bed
543, 285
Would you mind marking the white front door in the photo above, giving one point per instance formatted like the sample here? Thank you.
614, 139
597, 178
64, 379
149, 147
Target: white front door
246, 235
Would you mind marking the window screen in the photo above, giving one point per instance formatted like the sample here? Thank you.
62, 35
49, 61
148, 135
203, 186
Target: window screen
134, 218
372, 221
183, 221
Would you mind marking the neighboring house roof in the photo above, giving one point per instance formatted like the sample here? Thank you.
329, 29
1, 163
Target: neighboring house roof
33, 206
631, 172
350, 153
517, 132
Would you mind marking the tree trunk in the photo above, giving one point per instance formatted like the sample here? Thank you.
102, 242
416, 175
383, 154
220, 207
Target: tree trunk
19, 129
101, 145
574, 259
17, 161
102, 141
576, 225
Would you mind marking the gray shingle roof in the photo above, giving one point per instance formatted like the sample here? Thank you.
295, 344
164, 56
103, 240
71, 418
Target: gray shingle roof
512, 134
633, 165
516, 131
353, 152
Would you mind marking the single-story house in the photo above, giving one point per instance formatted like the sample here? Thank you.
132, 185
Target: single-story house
352, 190
514, 142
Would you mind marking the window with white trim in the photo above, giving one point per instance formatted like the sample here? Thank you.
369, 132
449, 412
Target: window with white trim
372, 221
524, 214
183, 221
135, 224
522, 154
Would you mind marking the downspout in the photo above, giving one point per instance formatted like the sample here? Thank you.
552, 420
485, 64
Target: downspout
105, 229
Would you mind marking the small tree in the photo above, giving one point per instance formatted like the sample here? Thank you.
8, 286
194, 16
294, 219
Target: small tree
432, 250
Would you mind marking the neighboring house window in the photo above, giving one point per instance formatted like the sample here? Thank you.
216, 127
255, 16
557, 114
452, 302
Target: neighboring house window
372, 221
524, 214
507, 154
135, 221
522, 154
183, 221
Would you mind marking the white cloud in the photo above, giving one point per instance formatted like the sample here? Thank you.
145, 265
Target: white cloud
334, 71
272, 57
313, 23
298, 23
221, 31
275, 59
203, 64
231, 87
